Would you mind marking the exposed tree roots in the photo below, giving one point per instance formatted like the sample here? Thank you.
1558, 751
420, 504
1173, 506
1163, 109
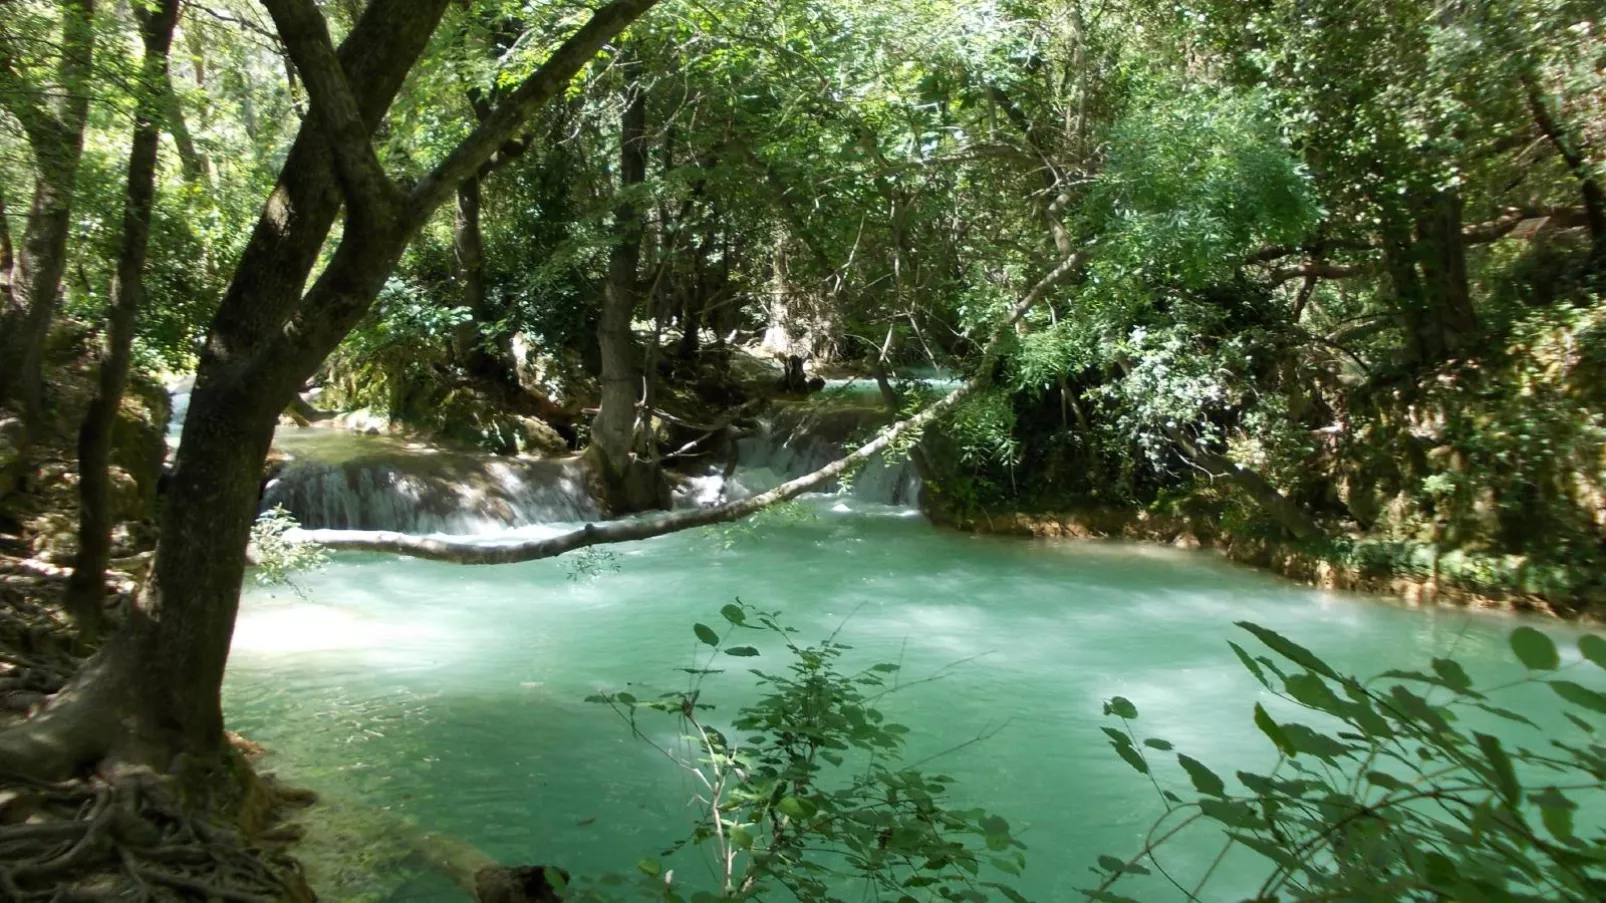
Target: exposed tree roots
126, 838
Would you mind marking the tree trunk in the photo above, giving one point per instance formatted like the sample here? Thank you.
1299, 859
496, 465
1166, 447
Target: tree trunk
1443, 258
193, 165
7, 257
1278, 506
469, 339
56, 137
86, 590
629, 481
1573, 156
152, 695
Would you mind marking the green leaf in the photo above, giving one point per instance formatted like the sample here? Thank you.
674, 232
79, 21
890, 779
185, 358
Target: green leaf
742, 651
791, 807
1271, 730
1289, 649
624, 698
1121, 707
651, 867
1116, 867
1505, 776
1250, 664
1384, 780
1132, 757
742, 836
706, 634
1556, 811
1585, 725
884, 668
1454, 676
1204, 780
734, 614
1157, 743
1593, 648
1534, 650
1579, 695
1314, 692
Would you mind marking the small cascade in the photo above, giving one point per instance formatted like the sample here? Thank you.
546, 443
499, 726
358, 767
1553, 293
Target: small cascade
433, 492
802, 440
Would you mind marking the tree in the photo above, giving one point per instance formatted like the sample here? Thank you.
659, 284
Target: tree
86, 589
55, 132
152, 692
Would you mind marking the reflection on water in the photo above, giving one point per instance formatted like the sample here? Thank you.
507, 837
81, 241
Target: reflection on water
452, 695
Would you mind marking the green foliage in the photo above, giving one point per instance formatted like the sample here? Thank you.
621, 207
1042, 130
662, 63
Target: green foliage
729, 535
279, 557
806, 794
1392, 792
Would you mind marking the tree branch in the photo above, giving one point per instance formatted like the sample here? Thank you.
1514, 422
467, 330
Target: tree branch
371, 196
1473, 234
469, 552
504, 121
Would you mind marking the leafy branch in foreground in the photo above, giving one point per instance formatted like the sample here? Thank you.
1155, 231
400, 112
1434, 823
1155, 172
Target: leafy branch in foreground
810, 795
278, 558
1392, 795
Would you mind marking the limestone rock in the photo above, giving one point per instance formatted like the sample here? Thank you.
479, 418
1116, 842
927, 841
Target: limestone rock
537, 437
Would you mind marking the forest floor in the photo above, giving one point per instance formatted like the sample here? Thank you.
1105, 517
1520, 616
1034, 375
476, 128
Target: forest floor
120, 833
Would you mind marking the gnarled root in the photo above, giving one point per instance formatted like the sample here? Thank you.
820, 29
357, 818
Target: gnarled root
126, 838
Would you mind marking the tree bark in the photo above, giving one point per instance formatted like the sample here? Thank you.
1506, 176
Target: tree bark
152, 694
56, 136
630, 481
86, 590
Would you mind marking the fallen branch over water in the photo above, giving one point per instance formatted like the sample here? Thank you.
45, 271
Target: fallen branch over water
466, 551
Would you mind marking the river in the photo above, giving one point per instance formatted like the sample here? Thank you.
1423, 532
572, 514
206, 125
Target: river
453, 696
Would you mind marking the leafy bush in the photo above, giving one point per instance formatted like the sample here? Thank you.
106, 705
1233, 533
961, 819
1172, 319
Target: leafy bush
1392, 795
809, 796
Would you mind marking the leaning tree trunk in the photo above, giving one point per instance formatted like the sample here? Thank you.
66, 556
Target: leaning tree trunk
56, 136
630, 481
86, 590
152, 695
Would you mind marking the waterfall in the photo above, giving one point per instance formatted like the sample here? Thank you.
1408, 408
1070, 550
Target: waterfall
438, 492
801, 440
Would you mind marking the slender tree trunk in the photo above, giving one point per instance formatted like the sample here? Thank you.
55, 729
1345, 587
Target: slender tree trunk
1589, 186
630, 482
194, 166
7, 257
56, 136
492, 362
86, 590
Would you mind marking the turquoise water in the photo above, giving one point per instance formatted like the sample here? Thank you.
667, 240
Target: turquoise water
452, 696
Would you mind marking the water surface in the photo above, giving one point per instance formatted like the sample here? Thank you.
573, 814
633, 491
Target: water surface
453, 695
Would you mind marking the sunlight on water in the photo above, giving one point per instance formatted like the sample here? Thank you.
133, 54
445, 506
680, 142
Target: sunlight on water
453, 695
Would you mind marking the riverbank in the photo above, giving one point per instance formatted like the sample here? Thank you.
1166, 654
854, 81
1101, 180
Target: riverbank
1417, 574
